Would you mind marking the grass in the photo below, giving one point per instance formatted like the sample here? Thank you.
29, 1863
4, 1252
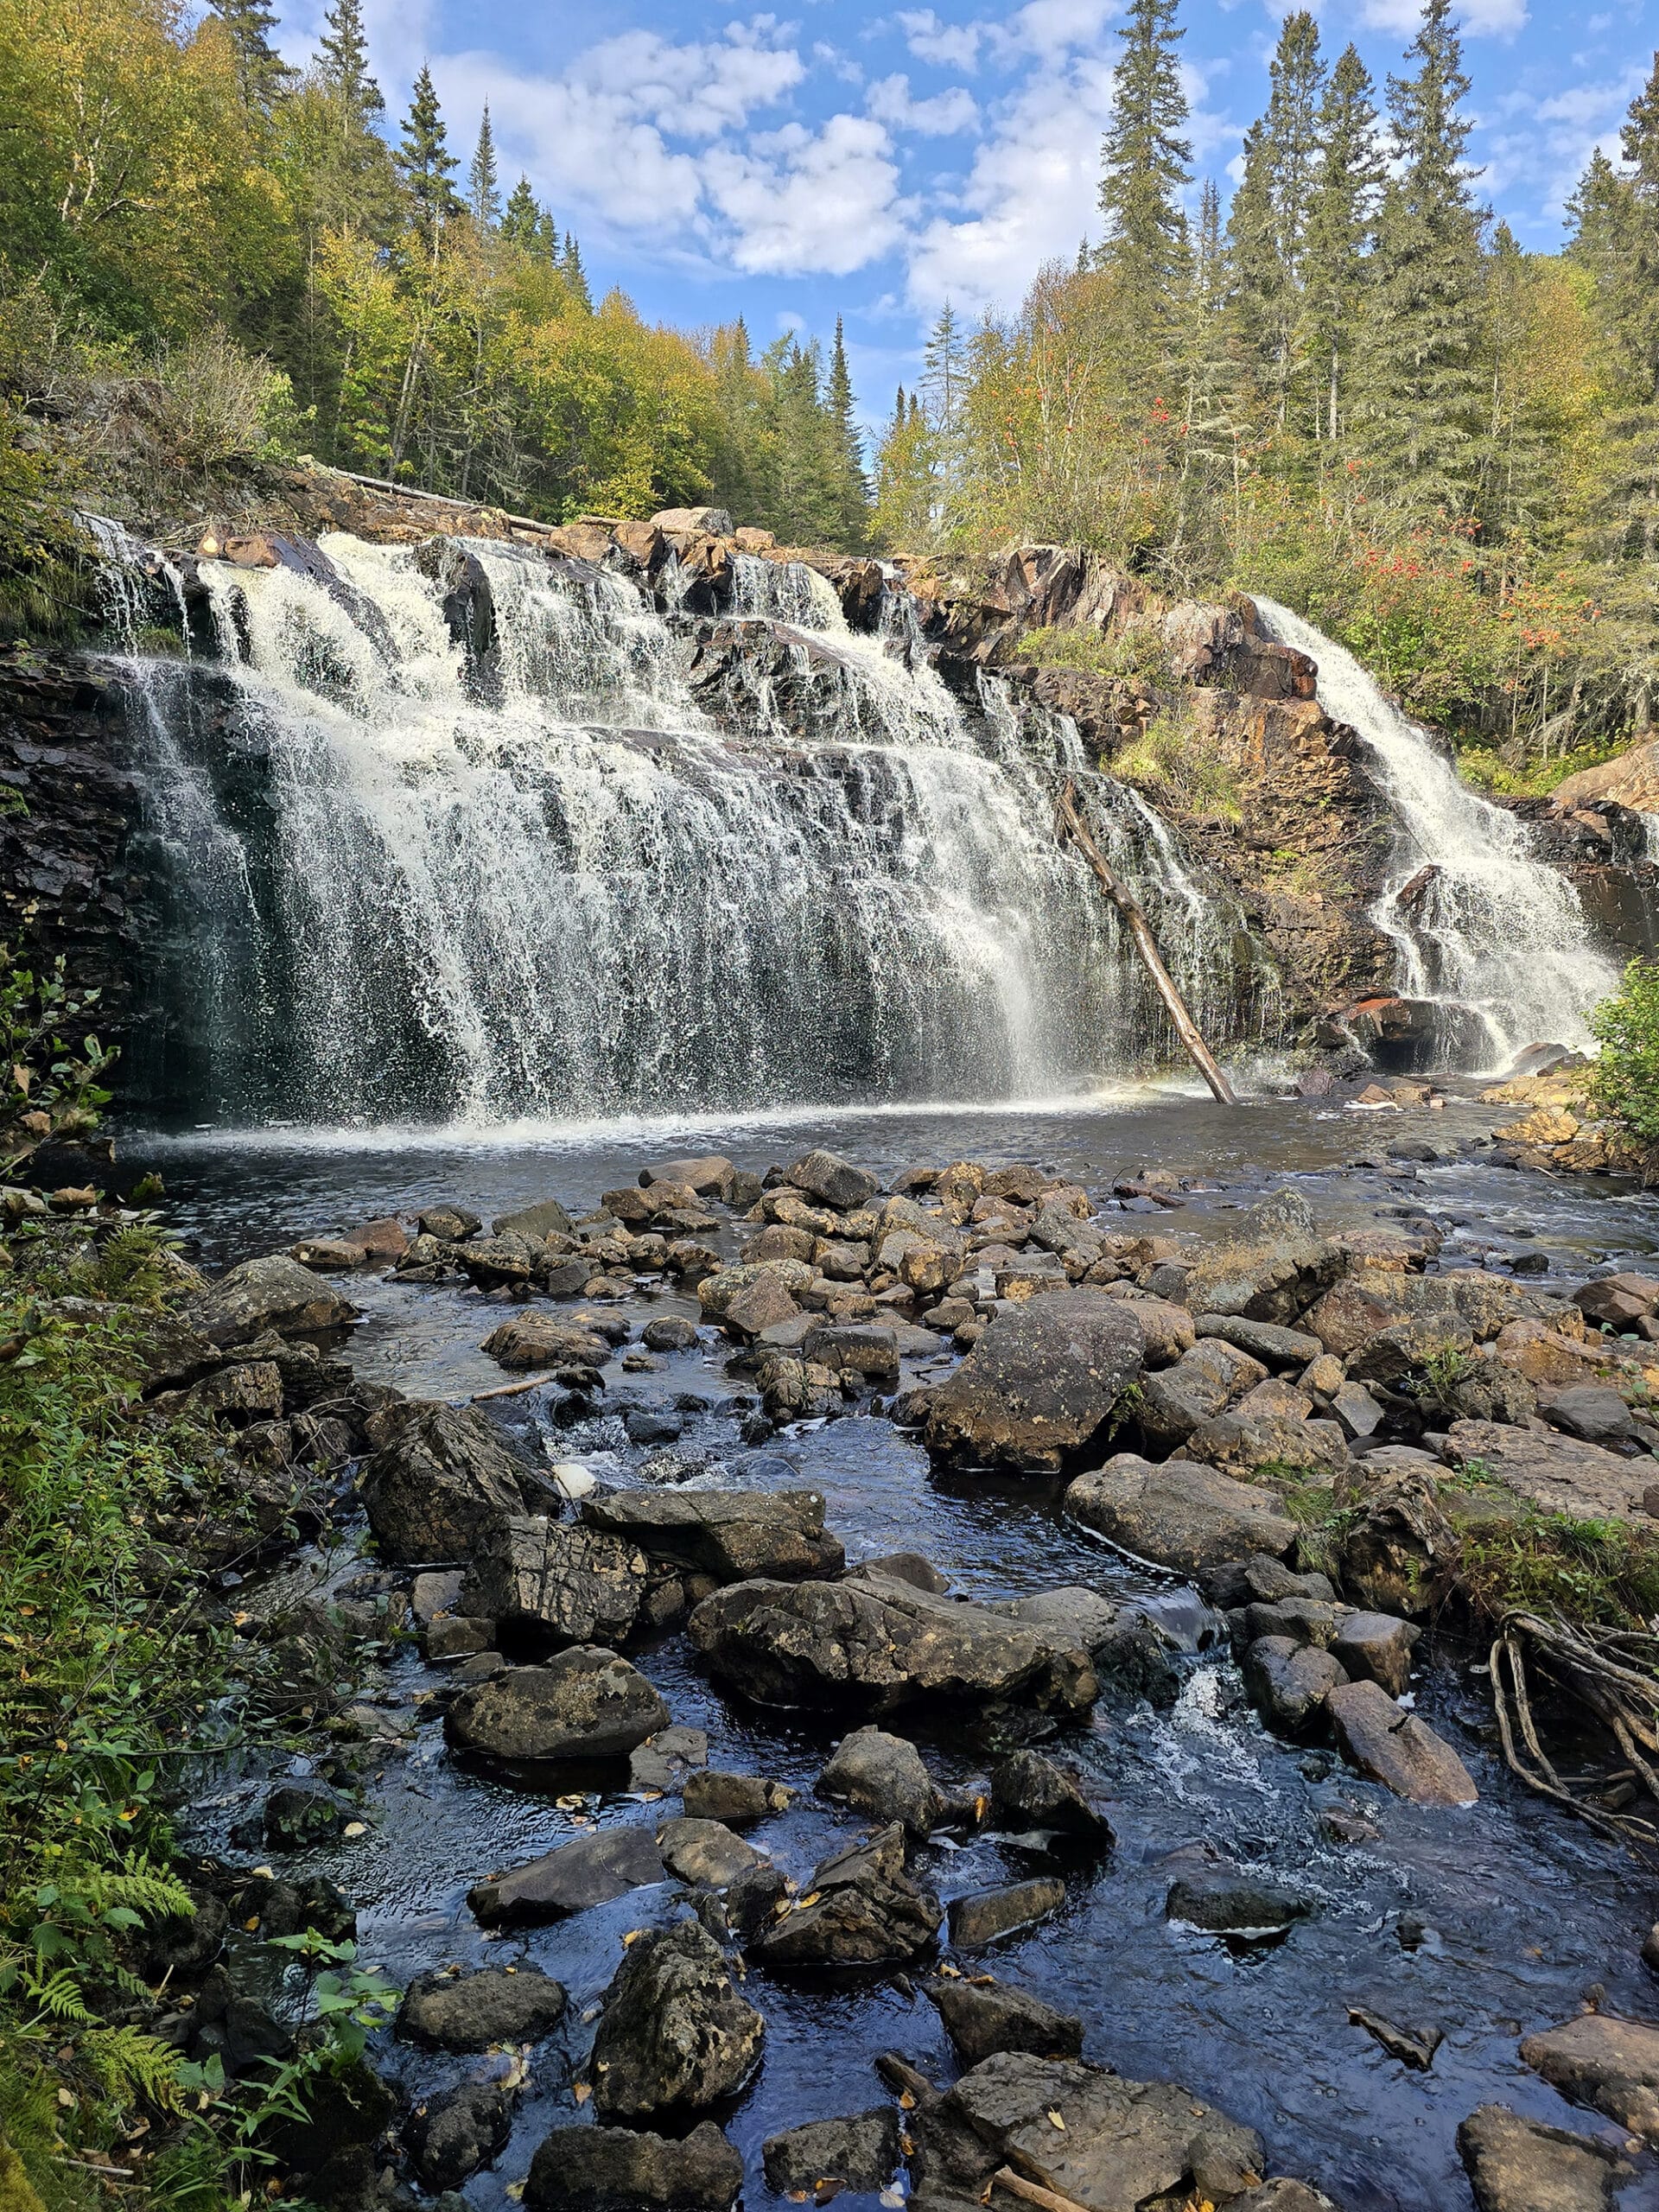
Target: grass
1486, 767
1181, 764
1135, 655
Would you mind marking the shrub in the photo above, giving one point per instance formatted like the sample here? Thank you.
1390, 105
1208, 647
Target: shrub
1625, 1078
1178, 762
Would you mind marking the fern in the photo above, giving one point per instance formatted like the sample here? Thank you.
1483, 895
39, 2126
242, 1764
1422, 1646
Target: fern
130, 2065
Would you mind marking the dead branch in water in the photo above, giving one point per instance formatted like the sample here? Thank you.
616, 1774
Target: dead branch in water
1614, 1673
1072, 824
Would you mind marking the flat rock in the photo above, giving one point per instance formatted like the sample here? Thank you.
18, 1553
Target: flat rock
546, 1583
629, 2170
1040, 1383
1289, 1682
1397, 1748
705, 1852
1609, 2064
874, 1644
439, 1475
470, 2011
593, 1870
1183, 1515
983, 1915
883, 1775
533, 1339
732, 1535
675, 2032
584, 1703
1593, 1412
1558, 1473
667, 1759
1523, 2165
980, 2019
274, 1293
860, 1909
860, 2153
739, 1800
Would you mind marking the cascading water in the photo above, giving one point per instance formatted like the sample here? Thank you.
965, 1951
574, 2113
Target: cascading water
1491, 930
626, 874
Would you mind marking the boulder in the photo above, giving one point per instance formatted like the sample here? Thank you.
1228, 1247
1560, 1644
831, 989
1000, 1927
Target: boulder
1182, 1514
860, 1909
884, 1776
1409, 1348
1279, 1447
1040, 1383
705, 1853
731, 1535
1608, 2063
449, 1224
1377, 1647
1271, 1270
674, 2034
833, 1181
874, 1644
546, 1583
275, 1293
907, 1566
1516, 2164
450, 2136
981, 2017
670, 1332
298, 1813
1200, 1385
1222, 1904
533, 1339
439, 1475
709, 1175
1615, 1301
1397, 1748
470, 2011
507, 1262
629, 2170
1031, 1791
739, 1800
848, 1348
537, 1222
1168, 1330
1275, 1346
594, 1870
1557, 1473
859, 2153
584, 1703
984, 1916
1594, 1413
1289, 1682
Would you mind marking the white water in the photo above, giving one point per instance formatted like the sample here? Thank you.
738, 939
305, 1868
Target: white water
1495, 930
615, 892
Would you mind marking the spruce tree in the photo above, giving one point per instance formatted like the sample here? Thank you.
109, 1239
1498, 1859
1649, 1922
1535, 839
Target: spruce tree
1340, 223
944, 374
483, 182
518, 217
262, 75
1267, 236
1423, 411
343, 61
427, 163
571, 270
1145, 168
546, 242
853, 487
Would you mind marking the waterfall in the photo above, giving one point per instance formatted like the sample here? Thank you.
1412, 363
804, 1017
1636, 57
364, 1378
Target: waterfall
651, 865
1484, 929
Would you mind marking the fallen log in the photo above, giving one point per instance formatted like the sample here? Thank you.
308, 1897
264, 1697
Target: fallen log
1072, 824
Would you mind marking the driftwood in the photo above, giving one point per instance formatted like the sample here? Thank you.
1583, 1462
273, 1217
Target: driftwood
1614, 1673
1072, 825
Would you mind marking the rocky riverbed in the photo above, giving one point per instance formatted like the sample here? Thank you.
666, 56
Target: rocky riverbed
864, 1665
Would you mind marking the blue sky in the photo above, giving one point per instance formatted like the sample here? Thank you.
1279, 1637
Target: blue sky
846, 157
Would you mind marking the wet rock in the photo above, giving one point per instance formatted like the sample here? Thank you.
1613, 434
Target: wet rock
709, 1175
500, 1262
874, 1644
325, 1256
908, 1567
584, 1703
533, 1339
275, 1293
438, 1477
1081, 1615
1515, 2164
739, 1800
850, 1349
860, 1909
860, 2153
1282, 2195
594, 1870
1289, 1682
1275, 1347
1031, 1791
1376, 1647
884, 1776
980, 2019
629, 2170
729, 1535
1233, 1905
1396, 1748
298, 1813
705, 1852
833, 1181
1040, 1383
471, 2011
450, 2136
1182, 1514
672, 1332
449, 1224
1558, 1474
547, 1218
545, 1583
984, 1916
1608, 2063
749, 1902
1594, 1413
667, 1759
1413, 2047
1262, 1580
674, 2033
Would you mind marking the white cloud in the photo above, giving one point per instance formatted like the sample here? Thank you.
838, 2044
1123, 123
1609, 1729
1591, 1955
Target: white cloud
951, 45
799, 200
1500, 18
947, 112
1053, 28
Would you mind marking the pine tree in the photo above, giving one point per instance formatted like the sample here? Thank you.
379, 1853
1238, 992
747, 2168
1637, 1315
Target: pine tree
1340, 223
1146, 168
427, 163
263, 77
1269, 234
518, 217
571, 270
344, 62
853, 485
1423, 397
483, 183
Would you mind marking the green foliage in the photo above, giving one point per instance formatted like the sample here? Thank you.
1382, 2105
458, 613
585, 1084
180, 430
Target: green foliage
1625, 1077
1180, 762
1600, 1572
1137, 654
48, 1087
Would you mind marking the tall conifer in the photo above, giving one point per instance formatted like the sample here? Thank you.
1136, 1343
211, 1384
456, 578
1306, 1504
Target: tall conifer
262, 75
1144, 169
1340, 218
343, 61
483, 179
426, 162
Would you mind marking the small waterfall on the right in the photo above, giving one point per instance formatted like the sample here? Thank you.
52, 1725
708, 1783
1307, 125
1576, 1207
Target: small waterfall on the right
1492, 929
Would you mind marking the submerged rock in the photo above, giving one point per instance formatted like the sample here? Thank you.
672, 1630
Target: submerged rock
674, 2033
1233, 1905
629, 2170
739, 1800
984, 1916
593, 1870
586, 1703
1040, 1383
1608, 2063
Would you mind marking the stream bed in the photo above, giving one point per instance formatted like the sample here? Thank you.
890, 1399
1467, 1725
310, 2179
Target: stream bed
1487, 1923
